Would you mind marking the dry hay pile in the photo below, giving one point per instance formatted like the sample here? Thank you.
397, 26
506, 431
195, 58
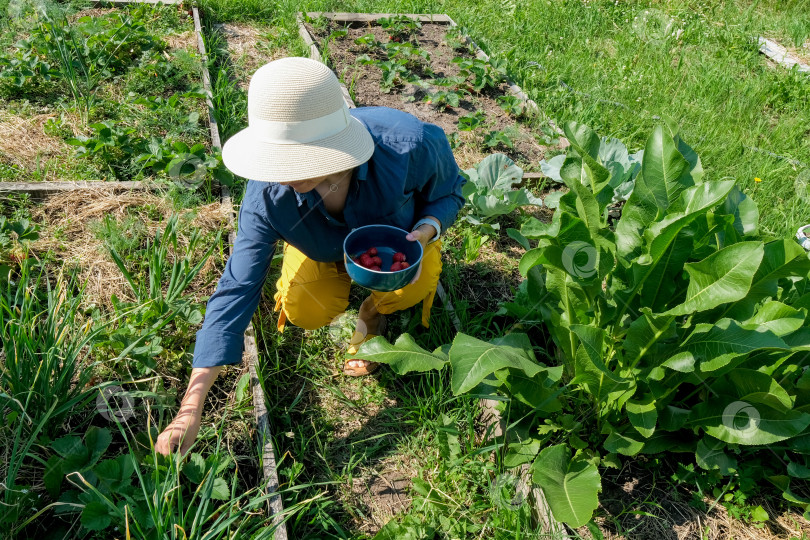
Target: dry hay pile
24, 143
67, 222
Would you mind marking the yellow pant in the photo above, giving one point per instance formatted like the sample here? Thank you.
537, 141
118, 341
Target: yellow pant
311, 294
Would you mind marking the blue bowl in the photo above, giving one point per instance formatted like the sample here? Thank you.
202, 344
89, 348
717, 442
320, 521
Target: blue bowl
388, 240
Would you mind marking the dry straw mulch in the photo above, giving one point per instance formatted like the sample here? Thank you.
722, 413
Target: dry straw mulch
25, 145
67, 231
248, 49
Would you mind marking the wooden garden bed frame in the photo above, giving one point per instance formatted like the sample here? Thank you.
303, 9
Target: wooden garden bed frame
491, 417
250, 354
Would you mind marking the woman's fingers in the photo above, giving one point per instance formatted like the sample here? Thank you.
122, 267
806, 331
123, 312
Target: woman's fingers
181, 434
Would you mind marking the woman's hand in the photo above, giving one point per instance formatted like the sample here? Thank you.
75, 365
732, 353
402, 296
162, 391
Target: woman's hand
181, 433
423, 234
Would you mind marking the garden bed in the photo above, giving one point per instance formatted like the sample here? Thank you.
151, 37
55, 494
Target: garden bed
127, 106
430, 70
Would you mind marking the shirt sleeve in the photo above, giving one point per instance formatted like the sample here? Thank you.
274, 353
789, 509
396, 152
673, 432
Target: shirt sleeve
220, 341
440, 180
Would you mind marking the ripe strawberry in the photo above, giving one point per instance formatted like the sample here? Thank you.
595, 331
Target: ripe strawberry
376, 261
399, 256
404, 265
366, 261
396, 267
372, 251
376, 268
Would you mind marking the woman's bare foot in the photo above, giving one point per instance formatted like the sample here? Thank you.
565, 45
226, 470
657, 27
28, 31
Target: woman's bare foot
369, 322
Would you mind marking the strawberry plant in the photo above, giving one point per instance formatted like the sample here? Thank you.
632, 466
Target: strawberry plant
411, 56
472, 121
512, 105
368, 42
442, 99
484, 74
399, 27
678, 329
495, 138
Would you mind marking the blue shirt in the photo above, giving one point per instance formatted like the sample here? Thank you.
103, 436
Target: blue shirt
411, 174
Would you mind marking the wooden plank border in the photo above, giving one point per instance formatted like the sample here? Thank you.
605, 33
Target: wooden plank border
250, 354
540, 509
780, 55
43, 189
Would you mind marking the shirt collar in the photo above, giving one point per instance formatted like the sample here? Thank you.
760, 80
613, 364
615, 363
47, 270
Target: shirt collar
360, 173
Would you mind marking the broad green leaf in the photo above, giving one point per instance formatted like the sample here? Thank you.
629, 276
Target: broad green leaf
404, 356
220, 490
777, 317
796, 470
722, 277
714, 346
744, 210
754, 387
539, 392
582, 136
672, 418
664, 175
496, 171
621, 444
515, 235
782, 258
518, 453
644, 333
571, 486
643, 415
194, 468
473, 360
737, 422
95, 516
590, 368
710, 455
551, 167
664, 169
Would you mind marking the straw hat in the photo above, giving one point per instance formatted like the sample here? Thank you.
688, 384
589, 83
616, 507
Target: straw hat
299, 127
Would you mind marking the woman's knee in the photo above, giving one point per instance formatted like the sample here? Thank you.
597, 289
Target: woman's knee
313, 305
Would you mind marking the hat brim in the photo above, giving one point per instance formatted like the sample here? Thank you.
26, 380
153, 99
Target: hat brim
247, 155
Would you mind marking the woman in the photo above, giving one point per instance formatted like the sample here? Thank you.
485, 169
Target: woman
316, 172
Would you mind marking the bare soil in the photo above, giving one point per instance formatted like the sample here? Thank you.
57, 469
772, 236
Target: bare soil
363, 82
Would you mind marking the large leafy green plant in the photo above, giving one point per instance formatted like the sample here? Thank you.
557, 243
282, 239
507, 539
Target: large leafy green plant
613, 156
679, 329
490, 192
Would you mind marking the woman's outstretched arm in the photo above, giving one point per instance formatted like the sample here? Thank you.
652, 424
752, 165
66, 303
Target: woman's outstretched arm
182, 432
